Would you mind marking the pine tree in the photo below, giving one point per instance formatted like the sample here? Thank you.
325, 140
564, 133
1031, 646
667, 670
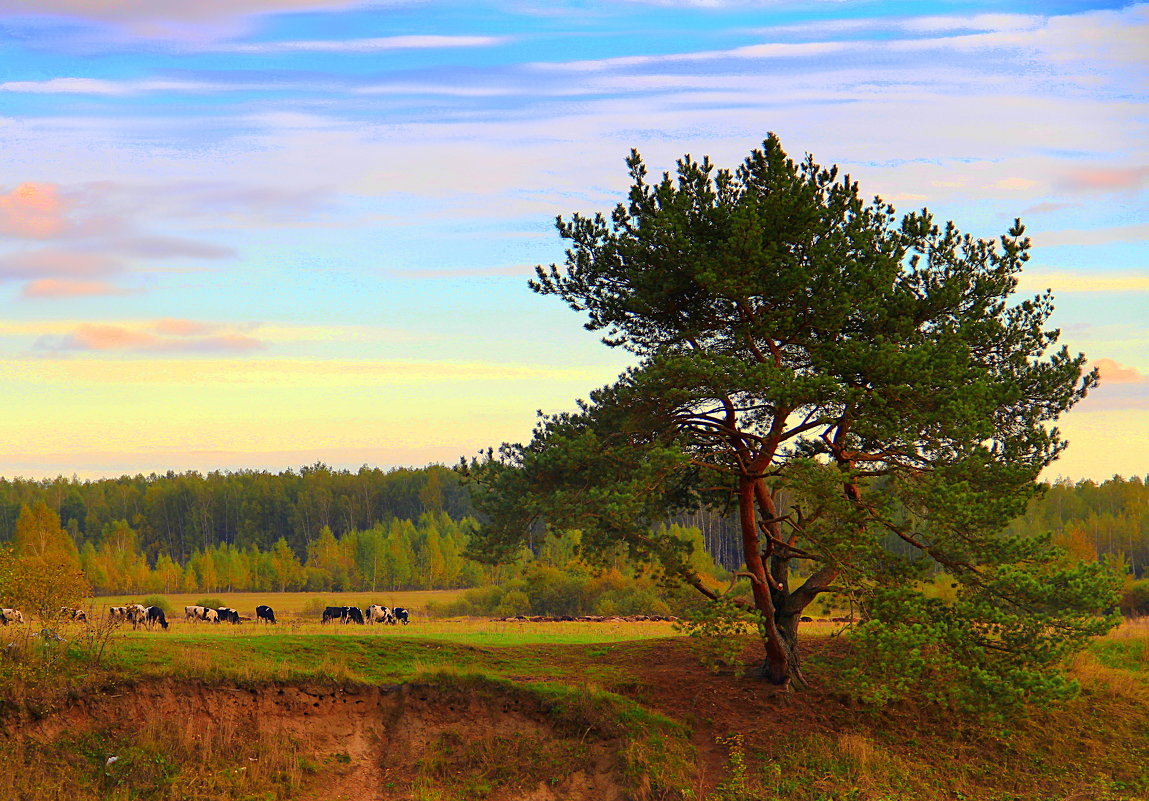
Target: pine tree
842, 377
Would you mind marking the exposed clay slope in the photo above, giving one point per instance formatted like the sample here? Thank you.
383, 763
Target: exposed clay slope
365, 742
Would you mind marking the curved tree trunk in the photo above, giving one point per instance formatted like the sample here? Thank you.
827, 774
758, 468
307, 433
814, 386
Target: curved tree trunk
776, 668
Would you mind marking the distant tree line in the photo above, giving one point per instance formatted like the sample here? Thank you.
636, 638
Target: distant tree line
324, 530
180, 514
1095, 520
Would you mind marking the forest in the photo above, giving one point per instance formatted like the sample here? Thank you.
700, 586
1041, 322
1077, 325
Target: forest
321, 529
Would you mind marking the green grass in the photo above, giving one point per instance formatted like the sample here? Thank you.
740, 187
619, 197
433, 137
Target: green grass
384, 655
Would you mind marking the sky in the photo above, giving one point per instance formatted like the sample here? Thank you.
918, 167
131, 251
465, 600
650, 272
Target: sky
258, 234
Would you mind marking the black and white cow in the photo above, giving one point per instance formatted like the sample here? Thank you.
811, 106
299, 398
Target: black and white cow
118, 614
401, 615
346, 614
379, 614
12, 615
264, 612
155, 615
136, 614
228, 615
194, 612
73, 614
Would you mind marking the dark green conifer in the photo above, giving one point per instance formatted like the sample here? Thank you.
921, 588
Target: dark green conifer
846, 379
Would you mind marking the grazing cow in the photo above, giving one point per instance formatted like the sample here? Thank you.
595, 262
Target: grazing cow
379, 614
228, 615
400, 614
211, 616
263, 612
354, 615
155, 615
194, 612
117, 614
13, 615
334, 613
136, 614
74, 614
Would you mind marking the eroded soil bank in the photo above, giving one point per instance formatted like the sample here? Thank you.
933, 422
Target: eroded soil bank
323, 742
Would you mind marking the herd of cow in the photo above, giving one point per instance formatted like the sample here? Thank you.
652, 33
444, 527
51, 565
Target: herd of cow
375, 614
151, 616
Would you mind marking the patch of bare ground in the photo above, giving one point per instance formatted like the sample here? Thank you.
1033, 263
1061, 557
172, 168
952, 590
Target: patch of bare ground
357, 742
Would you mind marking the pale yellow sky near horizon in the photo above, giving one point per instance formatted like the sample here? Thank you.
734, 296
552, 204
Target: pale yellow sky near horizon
155, 415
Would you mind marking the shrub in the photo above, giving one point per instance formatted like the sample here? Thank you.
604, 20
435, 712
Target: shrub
1135, 598
515, 602
160, 601
313, 607
211, 603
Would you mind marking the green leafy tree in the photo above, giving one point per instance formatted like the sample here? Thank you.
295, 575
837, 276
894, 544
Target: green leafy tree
846, 379
40, 586
286, 568
40, 536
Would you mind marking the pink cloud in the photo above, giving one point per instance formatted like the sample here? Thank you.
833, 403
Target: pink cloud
1108, 179
1042, 208
181, 328
32, 210
187, 338
108, 337
57, 288
1115, 373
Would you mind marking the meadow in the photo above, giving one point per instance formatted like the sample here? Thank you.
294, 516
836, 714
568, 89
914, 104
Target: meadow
291, 603
481, 709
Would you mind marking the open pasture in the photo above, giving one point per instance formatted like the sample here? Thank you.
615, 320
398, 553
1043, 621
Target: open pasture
566, 652
290, 604
465, 631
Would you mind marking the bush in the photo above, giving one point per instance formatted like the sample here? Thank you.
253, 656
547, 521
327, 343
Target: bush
211, 603
160, 601
548, 590
1135, 598
514, 603
313, 607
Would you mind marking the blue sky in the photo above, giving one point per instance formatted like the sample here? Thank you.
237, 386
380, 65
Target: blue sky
261, 233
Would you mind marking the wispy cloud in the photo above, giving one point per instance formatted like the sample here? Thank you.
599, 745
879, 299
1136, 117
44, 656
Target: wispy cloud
467, 272
93, 337
57, 263
1064, 281
1115, 373
1107, 179
1092, 236
757, 51
175, 10
32, 210
60, 288
123, 88
372, 45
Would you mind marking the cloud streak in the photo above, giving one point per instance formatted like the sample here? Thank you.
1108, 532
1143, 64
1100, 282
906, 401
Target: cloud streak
1065, 282
60, 288
373, 45
94, 337
32, 211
